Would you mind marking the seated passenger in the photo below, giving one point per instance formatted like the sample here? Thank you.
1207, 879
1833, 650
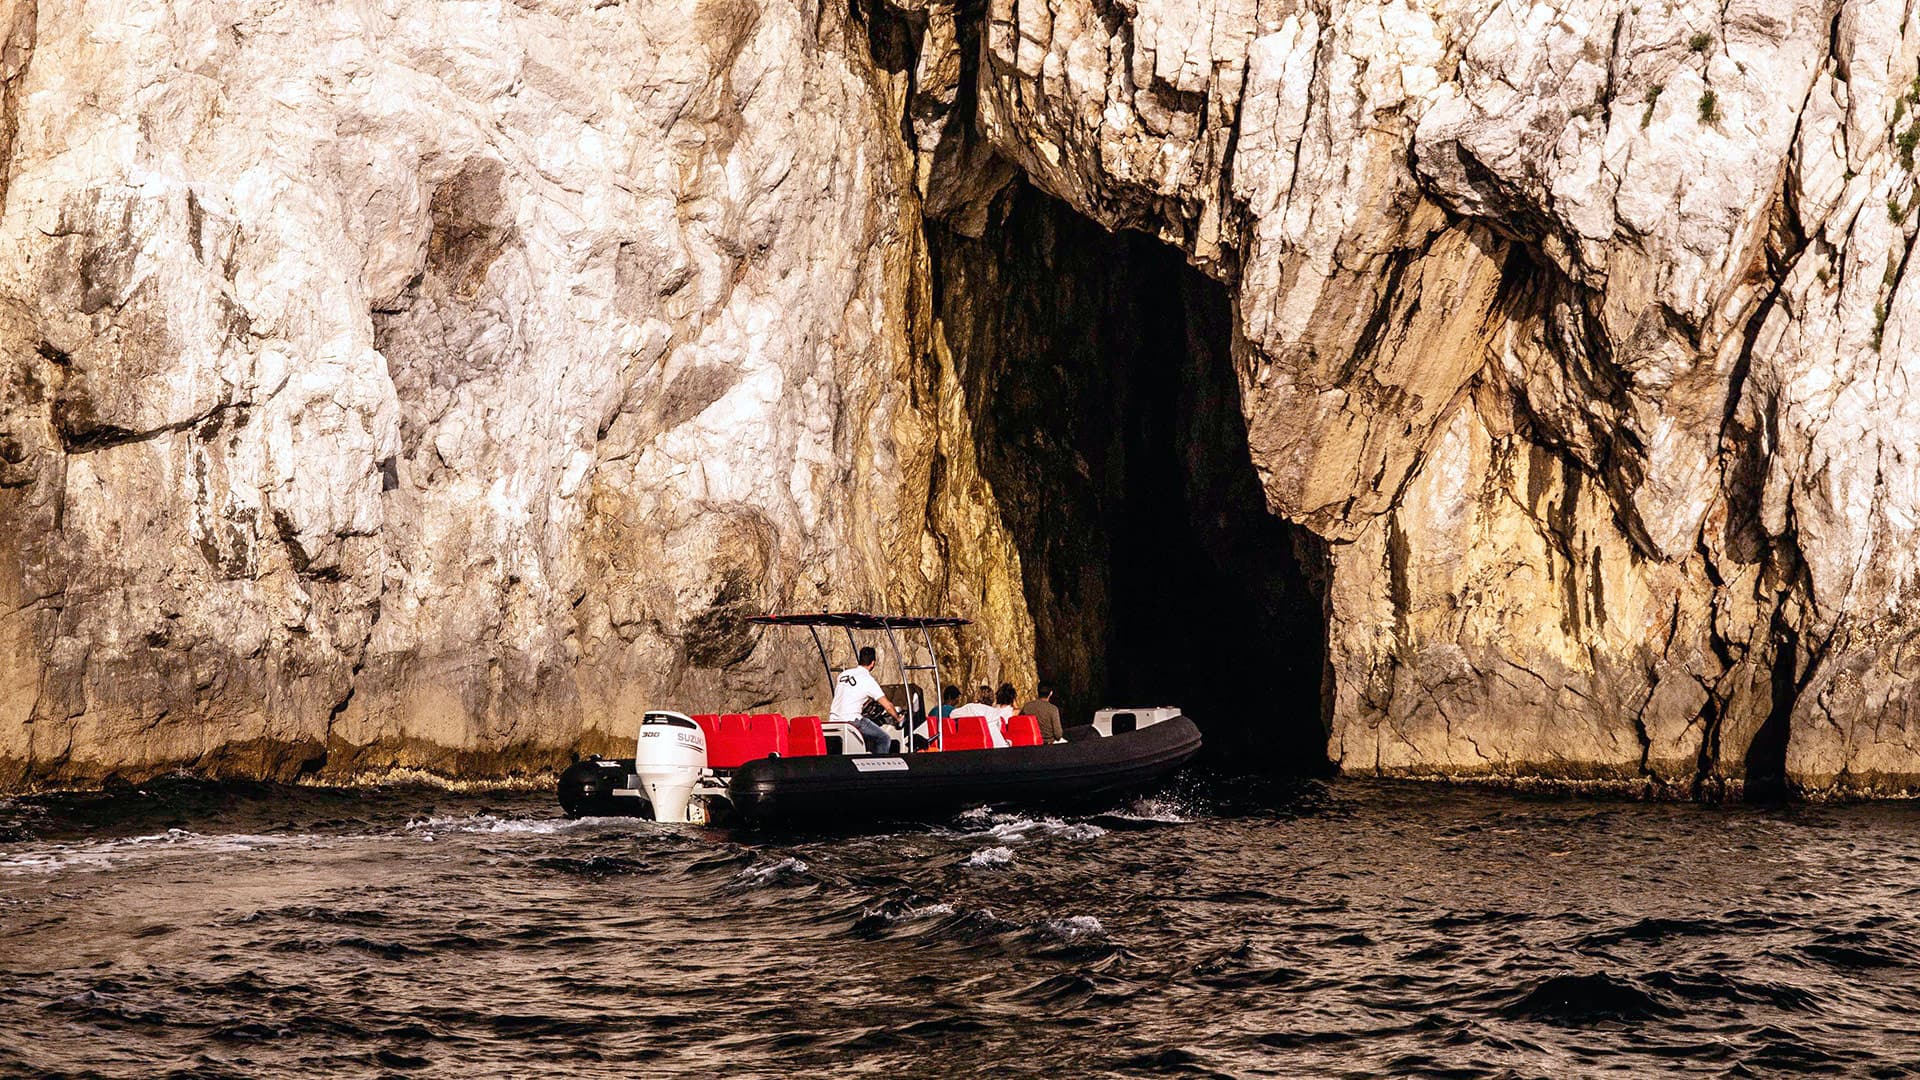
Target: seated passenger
923, 732
1004, 711
949, 701
995, 715
1043, 709
852, 690
1003, 702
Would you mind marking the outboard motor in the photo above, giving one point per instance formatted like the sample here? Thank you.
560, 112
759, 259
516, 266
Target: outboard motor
588, 789
669, 761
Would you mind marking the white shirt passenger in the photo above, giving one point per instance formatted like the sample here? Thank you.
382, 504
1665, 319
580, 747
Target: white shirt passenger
996, 720
1002, 714
852, 689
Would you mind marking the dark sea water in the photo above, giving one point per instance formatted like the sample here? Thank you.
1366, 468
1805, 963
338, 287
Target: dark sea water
1218, 928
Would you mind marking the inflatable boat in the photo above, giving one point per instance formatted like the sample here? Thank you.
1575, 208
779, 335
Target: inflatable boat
767, 768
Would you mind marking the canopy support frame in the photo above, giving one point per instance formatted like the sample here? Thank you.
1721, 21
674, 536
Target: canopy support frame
848, 621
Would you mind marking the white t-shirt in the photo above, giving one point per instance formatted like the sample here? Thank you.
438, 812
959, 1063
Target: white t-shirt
996, 720
997, 726
852, 689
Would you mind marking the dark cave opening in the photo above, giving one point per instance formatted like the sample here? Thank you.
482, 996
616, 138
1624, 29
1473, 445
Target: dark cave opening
1765, 764
1098, 375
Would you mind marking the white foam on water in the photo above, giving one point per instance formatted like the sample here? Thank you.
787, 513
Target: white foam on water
760, 875
108, 854
493, 824
1075, 927
989, 857
1151, 808
923, 911
1019, 829
1009, 826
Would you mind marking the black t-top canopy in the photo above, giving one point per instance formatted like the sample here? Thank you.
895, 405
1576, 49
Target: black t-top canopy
858, 620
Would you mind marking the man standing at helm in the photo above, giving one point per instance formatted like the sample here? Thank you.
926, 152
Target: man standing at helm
852, 689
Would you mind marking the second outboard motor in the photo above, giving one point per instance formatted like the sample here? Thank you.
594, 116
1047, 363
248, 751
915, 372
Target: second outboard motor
587, 789
669, 761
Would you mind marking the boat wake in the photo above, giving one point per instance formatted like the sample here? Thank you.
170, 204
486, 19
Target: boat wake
1009, 827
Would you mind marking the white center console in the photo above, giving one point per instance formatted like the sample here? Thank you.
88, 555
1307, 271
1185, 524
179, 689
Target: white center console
1124, 718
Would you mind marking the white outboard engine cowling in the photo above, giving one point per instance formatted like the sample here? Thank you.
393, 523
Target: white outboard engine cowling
669, 761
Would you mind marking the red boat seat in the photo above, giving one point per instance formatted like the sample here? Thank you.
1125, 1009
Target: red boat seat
804, 737
746, 738
966, 733
762, 725
1023, 730
709, 725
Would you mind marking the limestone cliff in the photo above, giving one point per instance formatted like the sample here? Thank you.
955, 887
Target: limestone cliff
1581, 330
435, 384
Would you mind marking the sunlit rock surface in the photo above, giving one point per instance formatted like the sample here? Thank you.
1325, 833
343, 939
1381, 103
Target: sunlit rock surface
1582, 330
434, 384
437, 385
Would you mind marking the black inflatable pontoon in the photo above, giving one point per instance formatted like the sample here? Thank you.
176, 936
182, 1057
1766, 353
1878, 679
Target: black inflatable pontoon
857, 788
854, 789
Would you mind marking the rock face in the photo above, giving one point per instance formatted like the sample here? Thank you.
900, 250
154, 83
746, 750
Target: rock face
438, 384
421, 384
1580, 330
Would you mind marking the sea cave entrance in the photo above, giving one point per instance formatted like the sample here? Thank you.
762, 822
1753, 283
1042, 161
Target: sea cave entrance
1097, 372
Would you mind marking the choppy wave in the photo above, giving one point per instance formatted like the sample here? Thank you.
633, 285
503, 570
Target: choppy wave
1075, 927
1591, 998
428, 828
109, 854
1330, 930
909, 912
990, 856
780, 870
1019, 828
